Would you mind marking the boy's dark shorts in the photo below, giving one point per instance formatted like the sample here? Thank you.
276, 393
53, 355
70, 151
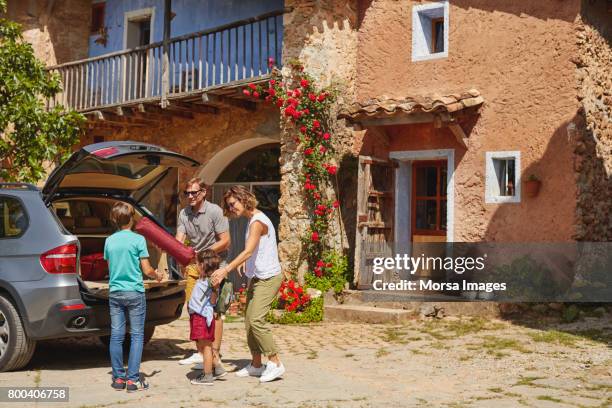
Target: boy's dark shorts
199, 329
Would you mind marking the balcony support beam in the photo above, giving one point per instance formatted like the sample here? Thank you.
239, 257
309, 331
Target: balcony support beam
219, 100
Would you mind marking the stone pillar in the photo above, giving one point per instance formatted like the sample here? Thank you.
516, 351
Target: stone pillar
593, 161
323, 36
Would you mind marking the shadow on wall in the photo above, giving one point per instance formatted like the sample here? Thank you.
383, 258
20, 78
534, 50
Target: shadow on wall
545, 10
549, 216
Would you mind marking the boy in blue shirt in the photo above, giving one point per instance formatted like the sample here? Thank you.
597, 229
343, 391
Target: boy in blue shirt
127, 256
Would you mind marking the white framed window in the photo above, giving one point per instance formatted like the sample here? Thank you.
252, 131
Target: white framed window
503, 177
430, 31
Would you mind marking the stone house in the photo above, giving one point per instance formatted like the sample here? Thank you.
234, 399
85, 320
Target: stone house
445, 108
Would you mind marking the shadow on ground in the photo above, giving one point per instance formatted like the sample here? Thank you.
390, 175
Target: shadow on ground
88, 352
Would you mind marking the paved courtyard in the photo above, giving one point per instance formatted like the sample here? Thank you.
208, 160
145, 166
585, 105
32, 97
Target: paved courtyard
467, 362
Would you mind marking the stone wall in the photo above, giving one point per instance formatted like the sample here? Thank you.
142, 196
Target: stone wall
58, 37
202, 137
323, 36
593, 162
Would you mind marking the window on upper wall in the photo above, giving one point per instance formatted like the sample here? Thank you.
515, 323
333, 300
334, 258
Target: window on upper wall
97, 17
502, 180
430, 31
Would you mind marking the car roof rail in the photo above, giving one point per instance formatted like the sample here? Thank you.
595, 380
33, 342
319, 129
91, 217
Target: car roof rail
25, 186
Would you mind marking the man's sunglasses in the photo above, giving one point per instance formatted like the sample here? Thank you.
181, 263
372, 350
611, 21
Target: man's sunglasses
191, 193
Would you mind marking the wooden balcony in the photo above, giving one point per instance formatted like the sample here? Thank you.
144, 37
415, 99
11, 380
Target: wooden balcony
198, 72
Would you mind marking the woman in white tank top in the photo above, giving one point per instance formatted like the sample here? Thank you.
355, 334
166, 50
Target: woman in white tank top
263, 269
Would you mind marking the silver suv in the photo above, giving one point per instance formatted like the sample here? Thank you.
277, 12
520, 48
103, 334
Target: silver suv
44, 293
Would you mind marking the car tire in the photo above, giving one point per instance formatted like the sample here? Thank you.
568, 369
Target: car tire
16, 349
148, 334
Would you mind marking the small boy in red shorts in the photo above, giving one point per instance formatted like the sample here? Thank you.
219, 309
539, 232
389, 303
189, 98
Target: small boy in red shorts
201, 314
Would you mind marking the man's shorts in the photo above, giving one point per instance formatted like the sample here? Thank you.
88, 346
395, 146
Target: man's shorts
199, 329
225, 294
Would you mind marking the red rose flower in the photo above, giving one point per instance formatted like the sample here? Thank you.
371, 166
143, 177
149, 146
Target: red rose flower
279, 103
303, 129
256, 94
318, 273
297, 93
332, 169
320, 263
271, 92
326, 136
303, 83
272, 81
246, 92
253, 86
317, 196
270, 62
336, 204
289, 111
308, 151
315, 236
321, 97
312, 97
316, 124
322, 149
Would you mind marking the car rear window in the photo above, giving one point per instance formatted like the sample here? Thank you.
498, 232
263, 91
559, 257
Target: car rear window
13, 218
129, 170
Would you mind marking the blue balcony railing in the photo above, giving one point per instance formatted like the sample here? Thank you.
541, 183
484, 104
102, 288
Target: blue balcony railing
196, 61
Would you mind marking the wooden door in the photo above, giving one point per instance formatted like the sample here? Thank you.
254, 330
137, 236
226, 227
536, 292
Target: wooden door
375, 217
428, 210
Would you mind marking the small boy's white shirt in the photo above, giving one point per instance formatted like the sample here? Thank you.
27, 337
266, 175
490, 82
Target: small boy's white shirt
200, 301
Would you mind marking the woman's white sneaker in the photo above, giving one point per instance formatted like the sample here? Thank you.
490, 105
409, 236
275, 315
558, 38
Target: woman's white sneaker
251, 371
272, 372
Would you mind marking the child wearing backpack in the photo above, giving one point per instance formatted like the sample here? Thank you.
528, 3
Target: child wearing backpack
201, 313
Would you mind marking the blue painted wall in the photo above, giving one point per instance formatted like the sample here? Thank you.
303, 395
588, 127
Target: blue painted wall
191, 16
197, 64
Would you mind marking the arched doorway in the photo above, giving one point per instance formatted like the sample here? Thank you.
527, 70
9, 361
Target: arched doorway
258, 169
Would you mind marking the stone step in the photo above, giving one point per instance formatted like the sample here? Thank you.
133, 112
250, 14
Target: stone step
366, 314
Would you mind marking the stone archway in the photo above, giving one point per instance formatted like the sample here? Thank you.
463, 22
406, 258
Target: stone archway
211, 171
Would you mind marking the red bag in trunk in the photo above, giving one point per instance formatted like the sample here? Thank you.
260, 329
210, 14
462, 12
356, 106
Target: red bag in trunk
157, 235
94, 267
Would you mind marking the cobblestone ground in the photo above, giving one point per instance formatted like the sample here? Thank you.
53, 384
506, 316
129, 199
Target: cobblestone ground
466, 362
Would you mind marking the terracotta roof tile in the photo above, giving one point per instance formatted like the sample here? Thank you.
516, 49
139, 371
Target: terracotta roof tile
384, 106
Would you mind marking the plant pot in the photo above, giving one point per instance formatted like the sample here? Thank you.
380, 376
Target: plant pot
532, 188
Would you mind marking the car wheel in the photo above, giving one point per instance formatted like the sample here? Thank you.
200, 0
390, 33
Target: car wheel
148, 334
16, 349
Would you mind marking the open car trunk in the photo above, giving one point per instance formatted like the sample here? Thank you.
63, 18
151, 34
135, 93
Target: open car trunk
87, 218
83, 190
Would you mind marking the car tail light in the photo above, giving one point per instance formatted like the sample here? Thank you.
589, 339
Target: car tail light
78, 306
62, 259
107, 151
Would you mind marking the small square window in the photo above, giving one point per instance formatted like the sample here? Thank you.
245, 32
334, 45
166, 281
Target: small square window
502, 181
430, 31
97, 17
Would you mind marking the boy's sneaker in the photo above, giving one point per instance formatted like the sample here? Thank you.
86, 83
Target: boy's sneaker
272, 372
192, 359
140, 385
249, 370
219, 371
204, 379
118, 384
